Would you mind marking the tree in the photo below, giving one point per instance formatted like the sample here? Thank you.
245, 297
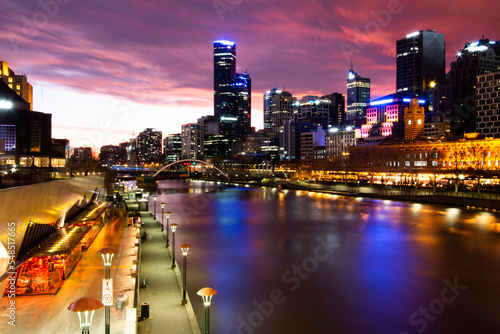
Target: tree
456, 155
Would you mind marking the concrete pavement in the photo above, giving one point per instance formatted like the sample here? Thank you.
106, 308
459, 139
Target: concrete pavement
164, 291
50, 314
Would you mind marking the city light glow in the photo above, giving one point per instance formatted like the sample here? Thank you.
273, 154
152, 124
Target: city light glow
4, 104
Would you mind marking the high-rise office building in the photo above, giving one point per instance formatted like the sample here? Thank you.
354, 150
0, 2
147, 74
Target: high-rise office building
488, 116
224, 73
232, 92
456, 97
172, 146
358, 97
148, 145
268, 96
336, 114
192, 141
420, 61
243, 91
278, 108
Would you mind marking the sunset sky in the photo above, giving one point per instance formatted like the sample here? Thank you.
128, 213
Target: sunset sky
106, 70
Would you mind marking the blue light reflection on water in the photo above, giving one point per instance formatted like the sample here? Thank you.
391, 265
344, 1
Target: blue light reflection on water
392, 259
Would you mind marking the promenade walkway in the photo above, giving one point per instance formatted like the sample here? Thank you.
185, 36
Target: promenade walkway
163, 293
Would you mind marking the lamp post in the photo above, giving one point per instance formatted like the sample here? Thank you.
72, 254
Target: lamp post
185, 249
162, 207
207, 294
85, 307
167, 214
173, 227
107, 256
154, 199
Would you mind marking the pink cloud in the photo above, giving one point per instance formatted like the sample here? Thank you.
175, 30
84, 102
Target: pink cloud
160, 52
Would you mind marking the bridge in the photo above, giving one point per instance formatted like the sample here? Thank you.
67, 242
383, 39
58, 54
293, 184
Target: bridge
141, 171
192, 160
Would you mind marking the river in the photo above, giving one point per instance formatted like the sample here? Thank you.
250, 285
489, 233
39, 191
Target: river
304, 262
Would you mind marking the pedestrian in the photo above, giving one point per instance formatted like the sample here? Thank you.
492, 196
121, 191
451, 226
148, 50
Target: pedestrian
135, 220
121, 304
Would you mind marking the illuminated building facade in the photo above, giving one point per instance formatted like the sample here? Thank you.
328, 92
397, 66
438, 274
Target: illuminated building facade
358, 97
456, 98
338, 141
336, 112
470, 155
192, 141
385, 117
414, 119
172, 146
27, 134
420, 61
309, 141
148, 146
488, 102
232, 93
278, 108
289, 141
17, 82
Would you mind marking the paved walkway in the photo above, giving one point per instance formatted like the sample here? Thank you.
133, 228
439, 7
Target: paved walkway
163, 293
49, 313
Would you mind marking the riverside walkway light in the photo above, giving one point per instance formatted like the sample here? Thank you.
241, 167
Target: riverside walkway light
167, 214
85, 307
173, 227
207, 294
162, 207
107, 256
184, 248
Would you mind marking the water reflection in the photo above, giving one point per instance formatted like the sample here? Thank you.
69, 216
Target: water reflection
392, 259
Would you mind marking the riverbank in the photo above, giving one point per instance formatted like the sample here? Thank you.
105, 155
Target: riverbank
459, 199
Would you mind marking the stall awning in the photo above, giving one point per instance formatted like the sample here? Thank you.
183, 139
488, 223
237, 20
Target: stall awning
92, 212
62, 241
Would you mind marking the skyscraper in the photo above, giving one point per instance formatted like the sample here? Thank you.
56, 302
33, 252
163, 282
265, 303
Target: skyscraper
336, 114
148, 144
232, 92
224, 74
243, 91
358, 97
456, 97
277, 109
420, 60
488, 117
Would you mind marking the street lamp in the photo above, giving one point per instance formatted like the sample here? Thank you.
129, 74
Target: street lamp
185, 249
107, 256
154, 199
85, 307
162, 207
173, 227
167, 214
207, 294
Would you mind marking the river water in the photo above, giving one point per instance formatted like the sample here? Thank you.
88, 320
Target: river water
303, 262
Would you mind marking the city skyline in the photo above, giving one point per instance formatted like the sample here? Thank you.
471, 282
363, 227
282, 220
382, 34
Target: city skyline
124, 67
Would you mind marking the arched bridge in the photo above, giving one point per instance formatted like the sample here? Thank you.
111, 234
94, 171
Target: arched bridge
191, 160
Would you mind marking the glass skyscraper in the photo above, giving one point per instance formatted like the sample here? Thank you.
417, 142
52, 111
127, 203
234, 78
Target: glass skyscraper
358, 97
420, 62
232, 92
